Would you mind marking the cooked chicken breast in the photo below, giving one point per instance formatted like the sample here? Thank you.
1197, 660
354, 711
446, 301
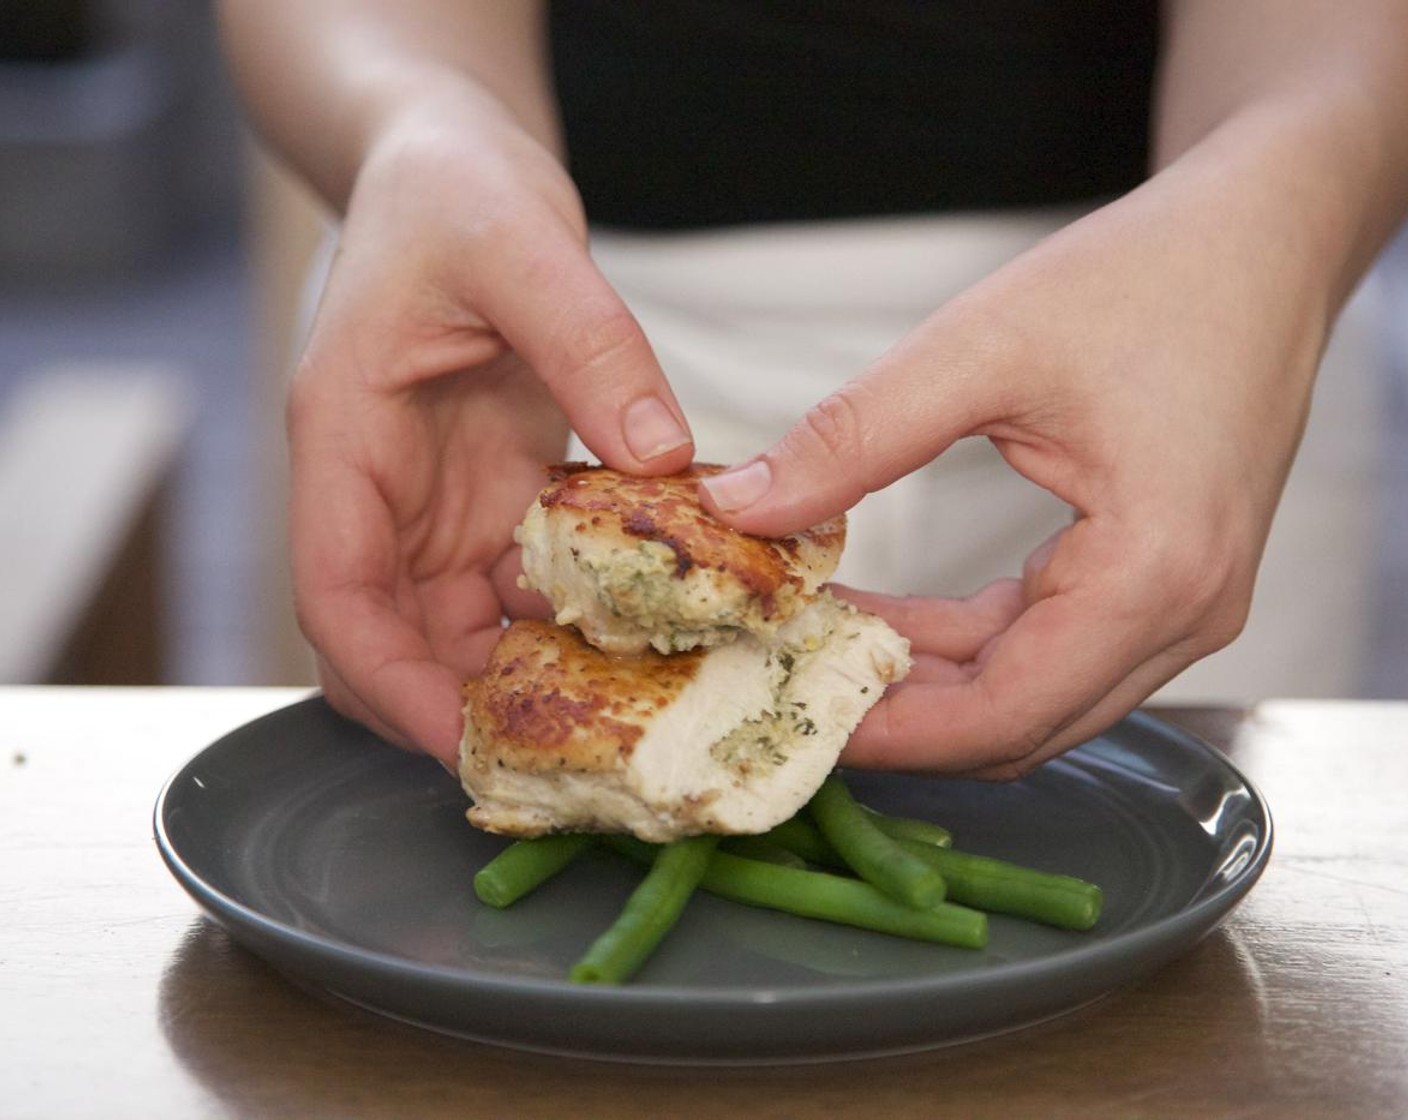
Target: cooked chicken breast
560, 736
637, 563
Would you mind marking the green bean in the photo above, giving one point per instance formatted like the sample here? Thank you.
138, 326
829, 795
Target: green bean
762, 848
1006, 888
817, 894
910, 828
525, 865
800, 837
649, 914
832, 898
872, 855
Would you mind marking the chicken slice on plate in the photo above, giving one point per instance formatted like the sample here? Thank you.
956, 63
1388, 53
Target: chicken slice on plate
560, 736
637, 563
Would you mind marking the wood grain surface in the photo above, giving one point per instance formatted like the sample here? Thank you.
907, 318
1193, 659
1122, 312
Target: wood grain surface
118, 1000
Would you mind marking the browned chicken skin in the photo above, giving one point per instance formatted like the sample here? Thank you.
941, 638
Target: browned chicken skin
636, 563
696, 679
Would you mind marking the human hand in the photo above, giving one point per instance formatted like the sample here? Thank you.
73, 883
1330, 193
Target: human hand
462, 327
1151, 365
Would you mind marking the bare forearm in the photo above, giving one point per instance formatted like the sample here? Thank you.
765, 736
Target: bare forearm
323, 78
1307, 98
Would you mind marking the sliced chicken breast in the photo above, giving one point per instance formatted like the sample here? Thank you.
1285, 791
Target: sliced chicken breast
560, 736
638, 563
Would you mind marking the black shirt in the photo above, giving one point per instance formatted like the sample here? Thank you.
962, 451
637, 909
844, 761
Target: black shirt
693, 113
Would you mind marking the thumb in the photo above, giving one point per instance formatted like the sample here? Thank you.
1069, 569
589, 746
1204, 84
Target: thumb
558, 312
903, 412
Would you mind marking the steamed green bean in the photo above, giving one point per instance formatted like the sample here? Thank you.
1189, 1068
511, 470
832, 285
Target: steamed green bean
525, 865
833, 898
649, 914
870, 853
1006, 888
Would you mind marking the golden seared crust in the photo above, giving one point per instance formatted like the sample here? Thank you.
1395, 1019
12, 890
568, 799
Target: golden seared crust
607, 504
548, 701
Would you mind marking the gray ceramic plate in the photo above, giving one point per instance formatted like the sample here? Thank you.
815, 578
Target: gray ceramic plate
347, 864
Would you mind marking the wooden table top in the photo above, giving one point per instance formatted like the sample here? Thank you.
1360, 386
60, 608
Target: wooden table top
117, 999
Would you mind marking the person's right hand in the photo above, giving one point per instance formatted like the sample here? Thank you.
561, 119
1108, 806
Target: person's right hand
463, 327
1150, 365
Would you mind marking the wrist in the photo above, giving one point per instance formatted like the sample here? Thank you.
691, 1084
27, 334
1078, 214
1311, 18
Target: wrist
433, 108
1304, 114
1281, 195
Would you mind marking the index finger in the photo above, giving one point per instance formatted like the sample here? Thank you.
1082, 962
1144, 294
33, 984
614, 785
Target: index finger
553, 306
941, 382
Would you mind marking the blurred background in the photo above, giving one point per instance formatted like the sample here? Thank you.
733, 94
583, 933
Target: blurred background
150, 271
151, 264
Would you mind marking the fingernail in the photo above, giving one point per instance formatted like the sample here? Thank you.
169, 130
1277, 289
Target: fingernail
739, 488
651, 429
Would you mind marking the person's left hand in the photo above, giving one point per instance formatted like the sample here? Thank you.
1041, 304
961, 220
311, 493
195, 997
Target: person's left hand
404, 506
463, 322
